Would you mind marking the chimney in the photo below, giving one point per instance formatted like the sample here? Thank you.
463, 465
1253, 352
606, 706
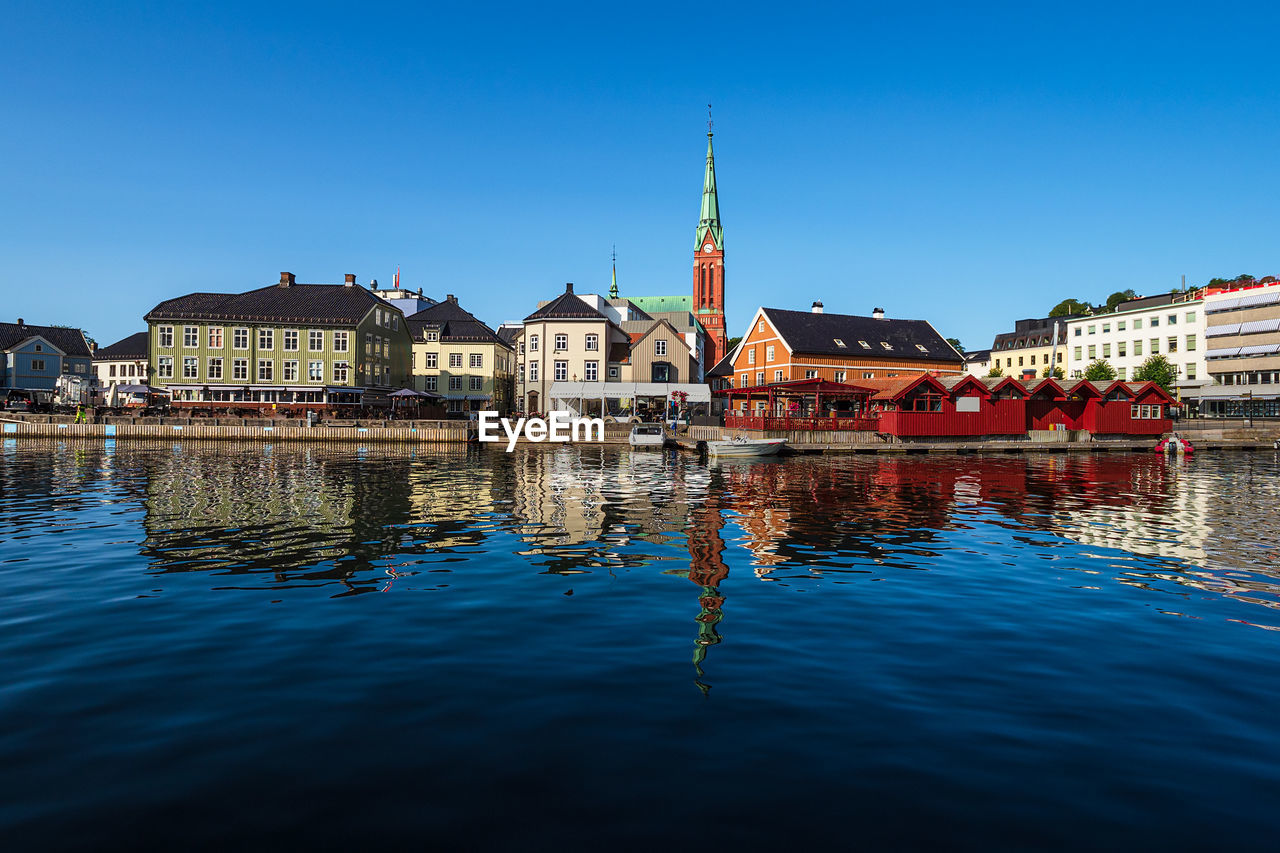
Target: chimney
817, 307
286, 279
419, 291
568, 287
451, 298
373, 284
877, 313
350, 279
20, 323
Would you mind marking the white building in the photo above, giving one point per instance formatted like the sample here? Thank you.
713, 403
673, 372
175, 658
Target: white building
1171, 325
123, 363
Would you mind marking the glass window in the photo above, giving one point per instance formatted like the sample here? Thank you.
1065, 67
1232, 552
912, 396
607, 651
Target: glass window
1121, 373
1077, 331
1172, 319
267, 339
751, 356
190, 368
290, 371
291, 340
1106, 350
591, 371
660, 348
1191, 370
1079, 353
1155, 345
164, 369
477, 360
266, 370
1191, 343
1121, 349
1191, 316
533, 343
240, 369
746, 380
433, 360
561, 371
1106, 327
839, 375
455, 383
340, 341
215, 337
1153, 322
811, 374
1093, 352
315, 371
562, 343
1120, 324
768, 352
1093, 329
165, 334
477, 383
1171, 345
431, 383
455, 359
533, 371
240, 338
215, 368
760, 378
341, 369
315, 340
190, 336
777, 376
1137, 347
593, 343
1137, 323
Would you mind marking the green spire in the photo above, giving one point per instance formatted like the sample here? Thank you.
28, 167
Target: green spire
613, 291
710, 218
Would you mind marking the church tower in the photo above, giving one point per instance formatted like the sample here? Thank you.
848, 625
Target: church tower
708, 267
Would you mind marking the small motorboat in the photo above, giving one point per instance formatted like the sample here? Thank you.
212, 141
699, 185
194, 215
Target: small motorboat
1175, 445
739, 446
647, 437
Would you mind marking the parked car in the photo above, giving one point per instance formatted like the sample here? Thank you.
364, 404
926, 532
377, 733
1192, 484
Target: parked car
20, 401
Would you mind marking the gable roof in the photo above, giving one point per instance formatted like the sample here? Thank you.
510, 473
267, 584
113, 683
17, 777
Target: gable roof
724, 367
454, 322
296, 303
805, 331
135, 346
70, 341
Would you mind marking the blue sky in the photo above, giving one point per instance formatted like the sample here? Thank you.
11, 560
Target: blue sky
968, 164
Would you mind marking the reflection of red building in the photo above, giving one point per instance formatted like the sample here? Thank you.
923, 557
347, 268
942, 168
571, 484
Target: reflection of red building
928, 405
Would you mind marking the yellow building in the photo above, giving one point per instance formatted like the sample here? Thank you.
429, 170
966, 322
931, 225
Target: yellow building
461, 359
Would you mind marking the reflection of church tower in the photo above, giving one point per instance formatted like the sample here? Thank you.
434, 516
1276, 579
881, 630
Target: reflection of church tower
707, 569
708, 267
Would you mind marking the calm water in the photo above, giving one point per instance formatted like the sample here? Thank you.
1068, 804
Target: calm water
206, 646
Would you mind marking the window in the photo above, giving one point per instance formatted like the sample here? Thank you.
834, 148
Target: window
433, 360
1106, 328
561, 371
839, 343
1121, 349
613, 373
290, 373
290, 340
315, 371
751, 356
811, 374
1153, 322
111, 371
746, 380
240, 369
591, 371
533, 371
1106, 350
368, 344
1021, 357
477, 359
1172, 319
215, 368
1093, 329
190, 336
266, 370
455, 359
660, 348
386, 351
1077, 331
431, 383
1137, 347
190, 367
1191, 371
839, 375
593, 343
165, 333
760, 377
561, 343
864, 344
1093, 352
777, 376
1137, 323
240, 338
341, 370
1155, 345
477, 383
1120, 325
533, 343
267, 339
1121, 373
1079, 353
433, 336
340, 341
215, 338
1191, 318
395, 323
164, 369
867, 374
886, 345
455, 383
923, 348
1171, 345
315, 340
1191, 343
760, 326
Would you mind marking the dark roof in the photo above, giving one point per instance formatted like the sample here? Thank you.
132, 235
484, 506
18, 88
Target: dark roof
1146, 302
724, 367
508, 334
566, 306
454, 323
977, 355
806, 331
297, 303
133, 347
70, 341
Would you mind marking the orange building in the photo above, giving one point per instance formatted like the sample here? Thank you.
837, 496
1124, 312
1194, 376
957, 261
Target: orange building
782, 346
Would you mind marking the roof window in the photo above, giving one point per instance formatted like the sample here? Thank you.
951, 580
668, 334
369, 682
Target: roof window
886, 345
839, 342
864, 344
922, 348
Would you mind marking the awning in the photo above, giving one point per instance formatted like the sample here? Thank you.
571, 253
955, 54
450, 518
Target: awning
627, 390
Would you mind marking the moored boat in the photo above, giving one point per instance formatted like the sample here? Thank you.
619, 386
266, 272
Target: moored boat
647, 437
746, 446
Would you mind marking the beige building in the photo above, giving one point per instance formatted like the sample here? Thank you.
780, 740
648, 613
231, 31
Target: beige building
567, 340
1242, 352
1030, 348
461, 359
660, 354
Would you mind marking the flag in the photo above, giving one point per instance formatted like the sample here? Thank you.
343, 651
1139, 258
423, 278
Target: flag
397, 287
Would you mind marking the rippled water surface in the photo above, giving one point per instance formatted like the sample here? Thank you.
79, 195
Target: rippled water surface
208, 646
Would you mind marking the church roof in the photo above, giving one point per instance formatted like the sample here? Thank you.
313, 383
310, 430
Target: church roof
661, 304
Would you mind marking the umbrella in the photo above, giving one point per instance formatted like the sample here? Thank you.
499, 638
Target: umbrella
406, 392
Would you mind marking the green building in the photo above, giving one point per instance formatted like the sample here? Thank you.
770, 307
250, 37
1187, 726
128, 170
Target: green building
289, 343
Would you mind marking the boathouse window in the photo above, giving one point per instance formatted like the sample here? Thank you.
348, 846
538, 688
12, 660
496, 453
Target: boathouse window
240, 369
215, 337
340, 340
165, 333
190, 336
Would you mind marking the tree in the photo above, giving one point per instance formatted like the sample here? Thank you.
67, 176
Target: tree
1159, 370
1070, 306
1055, 372
955, 342
1099, 371
995, 372
731, 343
1120, 296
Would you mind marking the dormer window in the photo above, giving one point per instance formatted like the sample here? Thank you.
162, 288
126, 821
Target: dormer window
864, 344
839, 342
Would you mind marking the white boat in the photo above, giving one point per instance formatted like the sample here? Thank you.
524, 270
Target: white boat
746, 446
647, 437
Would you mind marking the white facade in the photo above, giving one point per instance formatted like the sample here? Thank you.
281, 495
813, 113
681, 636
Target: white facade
1127, 338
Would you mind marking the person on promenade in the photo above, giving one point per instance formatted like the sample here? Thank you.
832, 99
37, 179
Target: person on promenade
80, 414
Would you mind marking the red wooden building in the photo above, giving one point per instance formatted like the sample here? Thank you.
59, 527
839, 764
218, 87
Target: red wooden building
925, 405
